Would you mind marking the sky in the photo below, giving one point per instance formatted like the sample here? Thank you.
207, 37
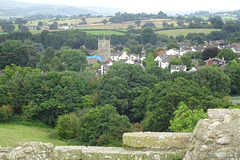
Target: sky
148, 6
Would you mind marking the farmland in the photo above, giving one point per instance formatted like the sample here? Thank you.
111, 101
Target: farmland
184, 32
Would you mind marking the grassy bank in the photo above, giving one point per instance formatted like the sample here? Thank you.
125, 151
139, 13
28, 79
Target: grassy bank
184, 32
11, 133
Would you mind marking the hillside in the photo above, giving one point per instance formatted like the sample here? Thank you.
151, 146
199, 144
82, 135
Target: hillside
20, 9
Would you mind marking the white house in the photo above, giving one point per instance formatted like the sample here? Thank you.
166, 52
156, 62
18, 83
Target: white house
129, 61
177, 68
115, 56
172, 51
123, 55
163, 64
158, 59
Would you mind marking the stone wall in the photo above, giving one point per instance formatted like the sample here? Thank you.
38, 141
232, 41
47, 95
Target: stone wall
215, 138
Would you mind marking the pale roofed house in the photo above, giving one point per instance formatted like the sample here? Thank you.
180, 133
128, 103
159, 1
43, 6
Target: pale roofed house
124, 55
172, 51
177, 68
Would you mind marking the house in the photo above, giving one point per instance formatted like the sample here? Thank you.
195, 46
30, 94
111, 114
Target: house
192, 69
129, 61
65, 27
177, 68
115, 55
105, 67
211, 61
162, 61
124, 55
172, 51
163, 64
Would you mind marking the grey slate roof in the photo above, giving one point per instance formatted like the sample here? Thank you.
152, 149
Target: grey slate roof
181, 67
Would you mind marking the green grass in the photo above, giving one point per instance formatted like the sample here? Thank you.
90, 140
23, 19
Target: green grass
104, 32
10, 134
184, 32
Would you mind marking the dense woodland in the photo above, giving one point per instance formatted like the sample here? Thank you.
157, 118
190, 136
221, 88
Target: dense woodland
45, 78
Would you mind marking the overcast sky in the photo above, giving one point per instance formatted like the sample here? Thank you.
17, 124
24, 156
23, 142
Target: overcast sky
135, 6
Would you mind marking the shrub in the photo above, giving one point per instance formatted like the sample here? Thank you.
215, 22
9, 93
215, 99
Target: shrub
67, 126
5, 113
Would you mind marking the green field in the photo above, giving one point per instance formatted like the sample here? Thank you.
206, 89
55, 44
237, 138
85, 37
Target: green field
184, 32
10, 134
103, 32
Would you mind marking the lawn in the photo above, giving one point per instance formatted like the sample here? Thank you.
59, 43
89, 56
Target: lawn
184, 32
10, 134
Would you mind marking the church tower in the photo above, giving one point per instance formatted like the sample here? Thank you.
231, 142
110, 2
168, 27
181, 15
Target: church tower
104, 48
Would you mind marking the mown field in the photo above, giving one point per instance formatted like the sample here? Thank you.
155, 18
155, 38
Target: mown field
184, 32
10, 134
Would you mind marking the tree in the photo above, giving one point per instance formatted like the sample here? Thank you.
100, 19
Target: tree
216, 22
103, 126
84, 20
210, 53
91, 43
54, 25
150, 61
227, 54
213, 78
233, 71
180, 38
164, 98
74, 60
148, 36
186, 59
164, 24
67, 126
150, 25
175, 61
104, 21
186, 119
180, 23
40, 23
172, 44
7, 27
138, 22
53, 40
115, 95
162, 15
26, 56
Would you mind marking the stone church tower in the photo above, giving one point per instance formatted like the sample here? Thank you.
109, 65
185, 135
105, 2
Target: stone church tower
104, 48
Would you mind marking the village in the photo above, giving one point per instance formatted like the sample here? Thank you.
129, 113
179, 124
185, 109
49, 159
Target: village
108, 57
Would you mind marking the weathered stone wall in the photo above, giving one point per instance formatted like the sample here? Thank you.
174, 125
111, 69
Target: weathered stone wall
161, 141
25, 151
216, 138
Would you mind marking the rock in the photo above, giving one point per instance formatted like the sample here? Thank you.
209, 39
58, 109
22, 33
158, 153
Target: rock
224, 139
231, 117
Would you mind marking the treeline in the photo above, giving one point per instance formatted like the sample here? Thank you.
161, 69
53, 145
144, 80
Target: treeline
94, 110
123, 17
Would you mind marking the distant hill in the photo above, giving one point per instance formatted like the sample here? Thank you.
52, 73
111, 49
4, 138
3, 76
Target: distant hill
13, 8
